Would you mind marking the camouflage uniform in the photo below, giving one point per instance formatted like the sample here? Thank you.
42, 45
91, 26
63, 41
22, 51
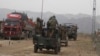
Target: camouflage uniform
51, 25
74, 28
39, 24
62, 31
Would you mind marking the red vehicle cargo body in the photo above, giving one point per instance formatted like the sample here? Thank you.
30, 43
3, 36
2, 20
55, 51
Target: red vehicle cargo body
17, 25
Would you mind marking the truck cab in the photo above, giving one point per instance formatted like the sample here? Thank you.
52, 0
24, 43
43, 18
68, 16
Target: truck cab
18, 25
72, 30
11, 27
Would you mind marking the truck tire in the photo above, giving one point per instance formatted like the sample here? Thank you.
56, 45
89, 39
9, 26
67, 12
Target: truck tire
75, 38
66, 43
41, 49
35, 48
56, 50
58, 46
48, 49
69, 37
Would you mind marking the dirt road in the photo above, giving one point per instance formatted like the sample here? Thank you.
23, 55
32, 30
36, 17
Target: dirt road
82, 47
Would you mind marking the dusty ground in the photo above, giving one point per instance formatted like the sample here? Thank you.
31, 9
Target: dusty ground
82, 47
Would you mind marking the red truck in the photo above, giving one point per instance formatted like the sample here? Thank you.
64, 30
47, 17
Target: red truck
17, 25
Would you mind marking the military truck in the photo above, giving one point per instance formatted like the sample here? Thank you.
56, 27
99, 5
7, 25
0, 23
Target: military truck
49, 38
72, 30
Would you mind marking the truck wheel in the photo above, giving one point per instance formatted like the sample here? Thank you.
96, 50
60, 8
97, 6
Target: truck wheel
48, 49
40, 49
66, 43
35, 48
59, 45
56, 50
75, 37
69, 37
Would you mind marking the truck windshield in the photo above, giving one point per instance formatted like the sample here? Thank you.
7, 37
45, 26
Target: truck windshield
11, 22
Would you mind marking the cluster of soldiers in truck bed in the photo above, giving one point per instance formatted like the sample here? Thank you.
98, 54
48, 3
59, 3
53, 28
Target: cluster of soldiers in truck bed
44, 36
52, 25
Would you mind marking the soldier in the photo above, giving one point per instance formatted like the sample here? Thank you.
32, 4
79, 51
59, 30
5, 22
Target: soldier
74, 28
51, 25
39, 24
63, 32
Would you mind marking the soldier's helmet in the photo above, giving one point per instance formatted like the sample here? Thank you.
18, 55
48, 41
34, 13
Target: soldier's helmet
38, 19
53, 17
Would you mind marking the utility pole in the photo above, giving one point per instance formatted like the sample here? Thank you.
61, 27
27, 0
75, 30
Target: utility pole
42, 10
94, 21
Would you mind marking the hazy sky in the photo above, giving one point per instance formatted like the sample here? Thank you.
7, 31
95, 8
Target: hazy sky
56, 6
